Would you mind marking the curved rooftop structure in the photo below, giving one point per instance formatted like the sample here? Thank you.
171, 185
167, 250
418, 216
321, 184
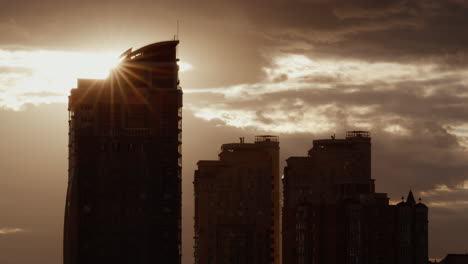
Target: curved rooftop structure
123, 201
159, 51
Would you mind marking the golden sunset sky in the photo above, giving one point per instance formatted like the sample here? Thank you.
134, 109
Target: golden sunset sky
300, 69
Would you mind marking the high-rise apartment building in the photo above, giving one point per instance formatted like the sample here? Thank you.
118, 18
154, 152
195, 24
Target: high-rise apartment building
332, 214
124, 184
237, 211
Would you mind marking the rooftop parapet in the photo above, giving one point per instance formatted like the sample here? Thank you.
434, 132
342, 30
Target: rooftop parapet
266, 138
358, 134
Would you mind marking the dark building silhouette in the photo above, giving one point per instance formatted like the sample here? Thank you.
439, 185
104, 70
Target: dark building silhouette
332, 214
455, 259
237, 211
124, 187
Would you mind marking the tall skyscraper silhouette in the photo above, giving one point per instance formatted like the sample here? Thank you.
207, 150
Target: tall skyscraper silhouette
332, 214
124, 185
237, 210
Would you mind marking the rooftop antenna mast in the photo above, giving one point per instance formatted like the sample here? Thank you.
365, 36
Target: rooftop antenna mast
176, 36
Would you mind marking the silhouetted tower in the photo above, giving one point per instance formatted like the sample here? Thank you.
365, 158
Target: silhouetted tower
124, 187
412, 225
237, 213
332, 214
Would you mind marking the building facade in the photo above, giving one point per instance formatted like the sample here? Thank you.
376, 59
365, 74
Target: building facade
332, 214
237, 211
124, 184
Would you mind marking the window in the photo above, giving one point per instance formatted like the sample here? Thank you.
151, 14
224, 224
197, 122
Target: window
115, 147
103, 147
131, 147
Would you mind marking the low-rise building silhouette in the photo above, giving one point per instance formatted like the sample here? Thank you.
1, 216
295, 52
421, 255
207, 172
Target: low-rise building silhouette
237, 213
455, 259
332, 214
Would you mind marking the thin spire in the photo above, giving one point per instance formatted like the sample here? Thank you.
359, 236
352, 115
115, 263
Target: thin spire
176, 36
410, 200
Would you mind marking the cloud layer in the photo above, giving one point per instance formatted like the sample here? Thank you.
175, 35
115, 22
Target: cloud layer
6, 231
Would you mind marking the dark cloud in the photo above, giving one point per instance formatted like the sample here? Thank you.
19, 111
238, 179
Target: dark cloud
240, 36
230, 42
410, 31
409, 25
